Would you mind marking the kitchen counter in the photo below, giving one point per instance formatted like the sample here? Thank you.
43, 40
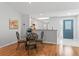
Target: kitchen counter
50, 36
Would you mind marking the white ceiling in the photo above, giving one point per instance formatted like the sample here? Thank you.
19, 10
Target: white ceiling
43, 7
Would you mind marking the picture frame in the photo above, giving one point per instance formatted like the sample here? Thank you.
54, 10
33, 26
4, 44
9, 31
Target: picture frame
13, 24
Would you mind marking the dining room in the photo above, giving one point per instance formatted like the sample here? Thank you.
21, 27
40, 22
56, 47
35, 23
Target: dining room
39, 29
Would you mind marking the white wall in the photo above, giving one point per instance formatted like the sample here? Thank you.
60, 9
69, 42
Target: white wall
24, 24
38, 24
6, 35
77, 27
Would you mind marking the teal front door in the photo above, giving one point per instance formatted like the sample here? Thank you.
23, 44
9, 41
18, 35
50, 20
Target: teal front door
68, 29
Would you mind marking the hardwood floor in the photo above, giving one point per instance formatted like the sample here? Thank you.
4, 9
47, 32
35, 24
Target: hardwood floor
43, 50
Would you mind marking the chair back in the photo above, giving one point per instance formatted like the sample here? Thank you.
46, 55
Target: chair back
32, 37
42, 34
35, 36
17, 35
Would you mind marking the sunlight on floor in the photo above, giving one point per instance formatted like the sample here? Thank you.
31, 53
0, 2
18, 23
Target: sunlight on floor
68, 51
69, 42
65, 50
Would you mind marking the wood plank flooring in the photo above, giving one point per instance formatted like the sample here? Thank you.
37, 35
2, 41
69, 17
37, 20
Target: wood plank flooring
42, 50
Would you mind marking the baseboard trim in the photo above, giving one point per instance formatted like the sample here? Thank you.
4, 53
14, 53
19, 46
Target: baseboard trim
16, 41
8, 44
49, 42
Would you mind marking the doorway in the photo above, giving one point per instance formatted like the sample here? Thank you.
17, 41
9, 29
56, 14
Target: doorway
68, 29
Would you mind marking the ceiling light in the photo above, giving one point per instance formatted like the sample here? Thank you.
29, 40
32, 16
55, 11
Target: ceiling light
43, 18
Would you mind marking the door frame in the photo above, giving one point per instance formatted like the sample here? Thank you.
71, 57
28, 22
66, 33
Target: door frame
72, 28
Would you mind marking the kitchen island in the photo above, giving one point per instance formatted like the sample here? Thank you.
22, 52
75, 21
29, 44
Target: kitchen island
50, 36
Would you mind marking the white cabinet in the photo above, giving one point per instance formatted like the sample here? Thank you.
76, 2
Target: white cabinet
50, 36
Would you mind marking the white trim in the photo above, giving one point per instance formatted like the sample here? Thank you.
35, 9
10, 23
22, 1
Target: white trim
49, 42
8, 44
16, 41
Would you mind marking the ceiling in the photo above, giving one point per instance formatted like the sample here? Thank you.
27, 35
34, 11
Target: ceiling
42, 7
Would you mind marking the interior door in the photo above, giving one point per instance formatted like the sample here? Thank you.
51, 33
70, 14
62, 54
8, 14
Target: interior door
68, 29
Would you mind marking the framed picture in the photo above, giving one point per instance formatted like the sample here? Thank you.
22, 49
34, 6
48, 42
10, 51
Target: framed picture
13, 24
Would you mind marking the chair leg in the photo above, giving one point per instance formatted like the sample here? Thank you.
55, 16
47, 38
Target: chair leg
24, 46
18, 44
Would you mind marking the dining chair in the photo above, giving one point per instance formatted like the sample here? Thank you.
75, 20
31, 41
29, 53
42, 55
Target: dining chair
19, 40
31, 42
41, 38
